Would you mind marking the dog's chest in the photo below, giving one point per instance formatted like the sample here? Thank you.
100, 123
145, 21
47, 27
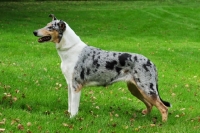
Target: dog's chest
68, 61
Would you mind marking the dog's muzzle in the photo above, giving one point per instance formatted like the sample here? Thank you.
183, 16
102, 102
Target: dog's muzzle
42, 38
35, 33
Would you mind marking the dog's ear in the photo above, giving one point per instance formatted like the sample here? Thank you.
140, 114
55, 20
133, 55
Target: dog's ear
53, 17
62, 25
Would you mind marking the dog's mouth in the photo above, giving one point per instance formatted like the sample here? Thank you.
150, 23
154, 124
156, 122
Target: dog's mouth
44, 39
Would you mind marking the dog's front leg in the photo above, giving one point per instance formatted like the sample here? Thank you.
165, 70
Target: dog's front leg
69, 99
74, 102
73, 97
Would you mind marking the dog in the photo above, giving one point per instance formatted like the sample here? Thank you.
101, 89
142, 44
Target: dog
86, 65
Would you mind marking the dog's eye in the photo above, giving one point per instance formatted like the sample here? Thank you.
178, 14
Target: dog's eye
50, 28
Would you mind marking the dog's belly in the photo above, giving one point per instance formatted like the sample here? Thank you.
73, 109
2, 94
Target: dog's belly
103, 77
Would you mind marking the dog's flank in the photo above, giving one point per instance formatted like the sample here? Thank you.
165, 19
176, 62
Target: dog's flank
85, 65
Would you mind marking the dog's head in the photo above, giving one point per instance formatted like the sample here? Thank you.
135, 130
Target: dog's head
52, 32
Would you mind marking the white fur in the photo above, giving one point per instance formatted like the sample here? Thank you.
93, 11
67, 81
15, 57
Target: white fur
69, 49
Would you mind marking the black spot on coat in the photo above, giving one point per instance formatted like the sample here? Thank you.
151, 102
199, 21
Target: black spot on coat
148, 64
151, 86
93, 57
138, 80
136, 71
88, 71
82, 74
152, 93
118, 69
123, 58
110, 65
135, 58
95, 63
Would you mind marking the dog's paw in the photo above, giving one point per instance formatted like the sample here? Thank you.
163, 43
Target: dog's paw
72, 115
145, 111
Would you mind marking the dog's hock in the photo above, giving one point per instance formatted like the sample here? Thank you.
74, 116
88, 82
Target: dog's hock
53, 17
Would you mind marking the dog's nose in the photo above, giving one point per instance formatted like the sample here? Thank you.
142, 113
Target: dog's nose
35, 33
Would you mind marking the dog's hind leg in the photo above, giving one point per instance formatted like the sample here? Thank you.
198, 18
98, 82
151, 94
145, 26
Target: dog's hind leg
149, 100
162, 108
134, 91
155, 101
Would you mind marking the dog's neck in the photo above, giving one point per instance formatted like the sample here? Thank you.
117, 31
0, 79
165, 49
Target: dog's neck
70, 44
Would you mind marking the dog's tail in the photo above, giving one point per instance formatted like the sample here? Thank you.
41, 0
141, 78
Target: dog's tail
166, 103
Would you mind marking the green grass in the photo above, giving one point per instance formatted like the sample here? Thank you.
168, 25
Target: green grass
33, 92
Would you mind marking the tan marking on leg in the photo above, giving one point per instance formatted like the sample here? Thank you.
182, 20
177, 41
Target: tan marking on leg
78, 88
163, 109
134, 91
152, 100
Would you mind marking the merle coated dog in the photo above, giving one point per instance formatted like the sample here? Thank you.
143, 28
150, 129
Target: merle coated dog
86, 65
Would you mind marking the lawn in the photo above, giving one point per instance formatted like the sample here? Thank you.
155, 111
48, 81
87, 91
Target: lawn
33, 91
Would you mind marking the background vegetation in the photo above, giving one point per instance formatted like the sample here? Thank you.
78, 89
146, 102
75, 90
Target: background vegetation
33, 94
